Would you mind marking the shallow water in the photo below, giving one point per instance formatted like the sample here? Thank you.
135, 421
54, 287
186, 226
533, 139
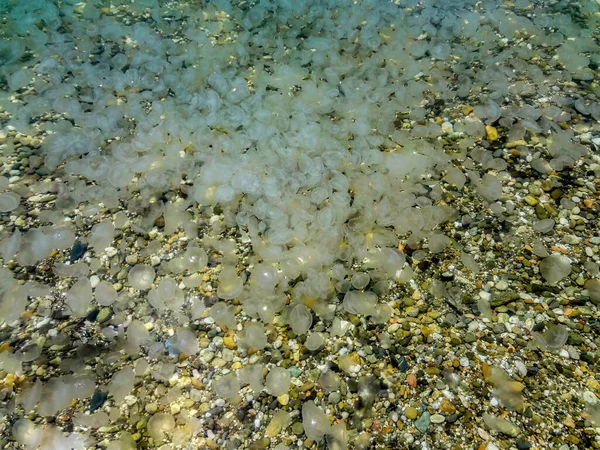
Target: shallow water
285, 224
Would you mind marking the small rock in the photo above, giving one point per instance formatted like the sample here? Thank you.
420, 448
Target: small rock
491, 132
400, 362
423, 422
77, 251
470, 338
437, 419
522, 444
447, 407
104, 315
452, 417
502, 298
41, 198
411, 413
412, 311
411, 379
229, 342
207, 357
131, 259
98, 400
502, 285
151, 408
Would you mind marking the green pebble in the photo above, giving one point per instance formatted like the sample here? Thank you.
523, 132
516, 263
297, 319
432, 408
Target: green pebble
122, 275
295, 371
531, 200
297, 428
540, 212
151, 408
470, 337
131, 259
260, 444
104, 315
422, 424
574, 339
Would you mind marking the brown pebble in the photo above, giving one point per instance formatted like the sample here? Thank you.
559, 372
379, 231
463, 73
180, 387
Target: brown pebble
487, 371
411, 379
447, 407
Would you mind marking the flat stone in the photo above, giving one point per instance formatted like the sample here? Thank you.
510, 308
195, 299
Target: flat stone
41, 198
502, 298
531, 200
437, 419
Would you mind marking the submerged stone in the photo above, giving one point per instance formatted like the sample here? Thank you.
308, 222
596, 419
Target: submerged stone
97, 400
77, 251
422, 423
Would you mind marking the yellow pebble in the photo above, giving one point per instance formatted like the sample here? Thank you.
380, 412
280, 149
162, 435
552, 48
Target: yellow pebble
492, 133
229, 342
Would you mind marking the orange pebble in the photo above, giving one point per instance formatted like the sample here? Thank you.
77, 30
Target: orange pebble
411, 379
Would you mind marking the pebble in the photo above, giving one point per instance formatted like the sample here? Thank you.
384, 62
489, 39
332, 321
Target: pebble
207, 357
571, 239
502, 285
522, 444
401, 363
437, 419
411, 413
422, 423
104, 315
590, 398
412, 312
98, 400
42, 198
131, 259
151, 408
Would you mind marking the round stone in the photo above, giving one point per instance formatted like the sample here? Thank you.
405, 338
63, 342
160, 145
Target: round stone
411, 413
